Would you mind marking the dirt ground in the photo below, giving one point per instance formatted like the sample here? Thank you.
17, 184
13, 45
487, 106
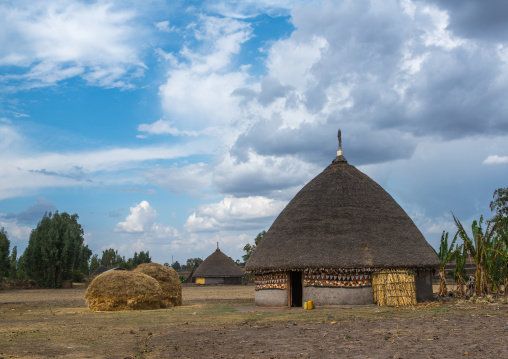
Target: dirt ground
223, 322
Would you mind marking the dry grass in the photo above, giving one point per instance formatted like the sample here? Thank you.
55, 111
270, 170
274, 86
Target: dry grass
57, 323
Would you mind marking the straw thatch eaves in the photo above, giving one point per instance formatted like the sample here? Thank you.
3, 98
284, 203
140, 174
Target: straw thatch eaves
218, 264
342, 220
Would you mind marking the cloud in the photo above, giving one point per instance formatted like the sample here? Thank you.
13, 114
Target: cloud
495, 160
34, 213
161, 127
15, 231
141, 222
194, 178
164, 26
235, 213
197, 93
22, 174
484, 20
262, 175
50, 41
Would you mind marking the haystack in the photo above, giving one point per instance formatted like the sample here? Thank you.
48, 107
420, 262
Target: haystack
168, 280
123, 290
339, 230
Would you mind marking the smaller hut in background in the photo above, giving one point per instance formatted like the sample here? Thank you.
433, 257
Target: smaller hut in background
100, 269
218, 268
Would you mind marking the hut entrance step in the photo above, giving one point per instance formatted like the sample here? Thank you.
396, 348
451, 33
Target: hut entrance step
295, 289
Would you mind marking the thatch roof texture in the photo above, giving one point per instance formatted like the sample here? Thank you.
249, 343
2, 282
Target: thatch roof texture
167, 279
342, 219
123, 290
217, 264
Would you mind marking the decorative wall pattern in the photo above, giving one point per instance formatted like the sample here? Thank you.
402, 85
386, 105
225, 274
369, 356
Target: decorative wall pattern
271, 281
352, 279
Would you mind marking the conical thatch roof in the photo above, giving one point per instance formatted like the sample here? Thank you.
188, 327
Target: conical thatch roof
100, 269
218, 264
342, 219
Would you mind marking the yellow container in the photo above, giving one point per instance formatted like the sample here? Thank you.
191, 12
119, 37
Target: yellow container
305, 305
310, 304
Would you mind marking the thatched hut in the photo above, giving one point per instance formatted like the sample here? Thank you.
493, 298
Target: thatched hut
218, 268
339, 230
168, 280
100, 269
123, 290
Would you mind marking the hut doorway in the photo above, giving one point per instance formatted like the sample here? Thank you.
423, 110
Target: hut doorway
295, 289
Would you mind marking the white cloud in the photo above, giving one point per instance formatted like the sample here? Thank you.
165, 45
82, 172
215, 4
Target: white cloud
495, 160
21, 174
194, 178
161, 127
197, 93
235, 213
56, 40
15, 230
263, 175
164, 26
141, 221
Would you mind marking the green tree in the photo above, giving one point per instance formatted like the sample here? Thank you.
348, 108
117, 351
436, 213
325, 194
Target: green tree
111, 259
499, 205
138, 259
248, 248
176, 266
193, 263
4, 254
94, 263
55, 250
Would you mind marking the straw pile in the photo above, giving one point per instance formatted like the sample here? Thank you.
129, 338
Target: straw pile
167, 279
394, 288
123, 290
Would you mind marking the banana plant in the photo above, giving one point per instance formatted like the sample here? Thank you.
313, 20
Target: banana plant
459, 273
446, 253
481, 246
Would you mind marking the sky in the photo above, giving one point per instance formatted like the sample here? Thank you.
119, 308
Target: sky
169, 126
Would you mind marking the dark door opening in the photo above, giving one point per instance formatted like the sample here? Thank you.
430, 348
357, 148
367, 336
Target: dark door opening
295, 279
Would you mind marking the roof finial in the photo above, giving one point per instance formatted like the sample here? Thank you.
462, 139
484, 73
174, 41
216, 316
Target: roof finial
340, 157
217, 245
339, 152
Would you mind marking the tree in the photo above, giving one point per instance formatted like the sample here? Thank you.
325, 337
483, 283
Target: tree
499, 205
193, 263
94, 263
111, 259
4, 253
248, 248
138, 259
176, 266
55, 250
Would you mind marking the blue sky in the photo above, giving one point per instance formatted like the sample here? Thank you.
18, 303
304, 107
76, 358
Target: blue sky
168, 126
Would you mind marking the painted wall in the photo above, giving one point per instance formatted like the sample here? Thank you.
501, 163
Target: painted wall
338, 296
271, 297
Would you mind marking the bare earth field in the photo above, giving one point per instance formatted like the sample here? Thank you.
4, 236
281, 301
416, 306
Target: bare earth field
223, 322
